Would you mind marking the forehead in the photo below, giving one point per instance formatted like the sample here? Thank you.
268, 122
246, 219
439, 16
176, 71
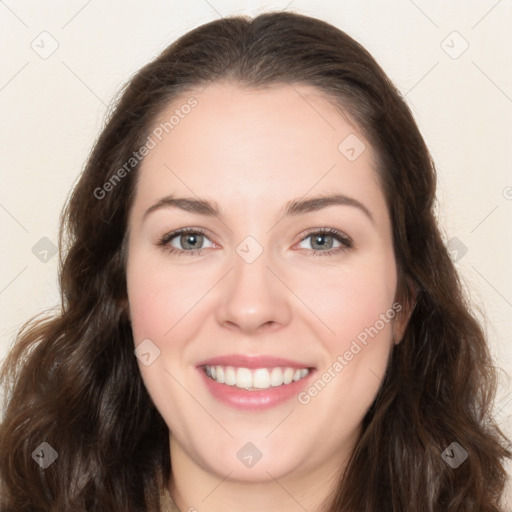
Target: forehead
260, 145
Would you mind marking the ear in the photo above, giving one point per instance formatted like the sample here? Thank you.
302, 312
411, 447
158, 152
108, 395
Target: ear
404, 309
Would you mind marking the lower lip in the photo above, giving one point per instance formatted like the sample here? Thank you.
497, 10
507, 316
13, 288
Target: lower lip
254, 400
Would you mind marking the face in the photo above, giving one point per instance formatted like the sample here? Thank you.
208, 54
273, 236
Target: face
261, 281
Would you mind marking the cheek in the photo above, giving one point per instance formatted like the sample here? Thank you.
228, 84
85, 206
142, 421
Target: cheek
147, 309
348, 301
159, 299
356, 309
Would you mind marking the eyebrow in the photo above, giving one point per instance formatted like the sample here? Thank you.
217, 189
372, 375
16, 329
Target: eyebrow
295, 207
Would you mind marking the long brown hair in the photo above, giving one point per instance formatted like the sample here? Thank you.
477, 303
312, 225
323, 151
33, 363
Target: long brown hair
72, 379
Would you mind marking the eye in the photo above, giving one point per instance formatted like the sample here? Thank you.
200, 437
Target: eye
190, 241
193, 241
326, 241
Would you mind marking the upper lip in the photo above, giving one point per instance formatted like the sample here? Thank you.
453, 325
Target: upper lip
255, 361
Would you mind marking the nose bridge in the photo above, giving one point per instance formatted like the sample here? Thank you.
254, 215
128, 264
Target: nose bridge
252, 297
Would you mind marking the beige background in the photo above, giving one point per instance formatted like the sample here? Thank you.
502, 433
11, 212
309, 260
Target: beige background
62, 63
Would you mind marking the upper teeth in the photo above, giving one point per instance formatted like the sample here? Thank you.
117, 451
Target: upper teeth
259, 378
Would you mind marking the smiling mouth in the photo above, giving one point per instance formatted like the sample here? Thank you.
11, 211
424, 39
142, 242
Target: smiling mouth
255, 379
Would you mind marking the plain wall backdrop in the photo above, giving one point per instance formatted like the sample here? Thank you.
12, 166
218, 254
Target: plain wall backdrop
63, 62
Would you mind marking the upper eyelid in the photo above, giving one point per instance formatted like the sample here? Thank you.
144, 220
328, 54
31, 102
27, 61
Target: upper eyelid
180, 231
326, 231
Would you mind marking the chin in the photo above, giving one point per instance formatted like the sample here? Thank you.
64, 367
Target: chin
259, 461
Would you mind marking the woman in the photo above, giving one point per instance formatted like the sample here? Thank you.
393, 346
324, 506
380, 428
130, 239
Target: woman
264, 377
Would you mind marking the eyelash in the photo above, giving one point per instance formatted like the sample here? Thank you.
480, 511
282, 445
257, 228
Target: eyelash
345, 240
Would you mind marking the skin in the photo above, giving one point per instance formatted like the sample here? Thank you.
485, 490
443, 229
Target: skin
251, 152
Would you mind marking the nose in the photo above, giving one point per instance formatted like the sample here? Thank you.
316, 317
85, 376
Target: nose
253, 299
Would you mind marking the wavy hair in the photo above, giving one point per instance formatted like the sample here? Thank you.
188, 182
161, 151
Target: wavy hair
71, 376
